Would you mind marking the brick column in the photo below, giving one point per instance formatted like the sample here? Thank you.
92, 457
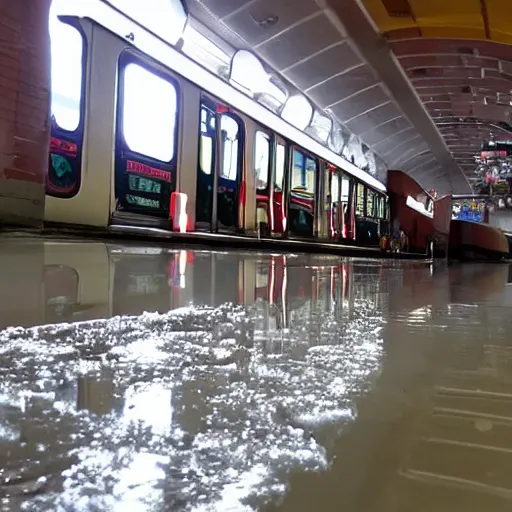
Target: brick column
24, 109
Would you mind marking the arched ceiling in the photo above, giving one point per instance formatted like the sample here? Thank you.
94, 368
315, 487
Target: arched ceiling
458, 56
329, 50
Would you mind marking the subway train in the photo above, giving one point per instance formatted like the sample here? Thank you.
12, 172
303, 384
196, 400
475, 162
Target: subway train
144, 136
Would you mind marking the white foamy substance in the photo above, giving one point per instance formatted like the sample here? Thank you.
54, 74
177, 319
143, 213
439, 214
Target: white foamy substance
198, 414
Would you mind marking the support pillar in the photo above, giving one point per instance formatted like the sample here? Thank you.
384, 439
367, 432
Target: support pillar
24, 110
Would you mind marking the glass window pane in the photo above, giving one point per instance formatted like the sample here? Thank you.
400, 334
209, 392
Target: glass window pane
345, 188
369, 203
298, 170
303, 172
280, 163
261, 160
66, 74
149, 113
230, 131
297, 111
360, 200
206, 154
310, 174
335, 188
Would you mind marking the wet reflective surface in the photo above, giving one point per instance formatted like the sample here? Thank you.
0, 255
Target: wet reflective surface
136, 378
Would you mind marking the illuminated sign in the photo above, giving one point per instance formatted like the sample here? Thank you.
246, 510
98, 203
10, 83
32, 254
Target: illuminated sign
62, 146
147, 170
142, 201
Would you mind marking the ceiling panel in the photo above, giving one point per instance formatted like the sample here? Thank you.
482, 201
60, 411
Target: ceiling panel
408, 156
337, 88
287, 12
333, 60
222, 8
386, 130
290, 47
360, 102
375, 117
385, 145
397, 153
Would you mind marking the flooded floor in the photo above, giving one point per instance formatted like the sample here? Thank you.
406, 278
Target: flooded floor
147, 379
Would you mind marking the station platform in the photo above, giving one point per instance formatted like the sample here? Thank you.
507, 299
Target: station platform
210, 240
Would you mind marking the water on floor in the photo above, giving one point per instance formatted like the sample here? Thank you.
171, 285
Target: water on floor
141, 378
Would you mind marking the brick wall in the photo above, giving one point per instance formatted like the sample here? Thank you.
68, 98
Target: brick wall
24, 109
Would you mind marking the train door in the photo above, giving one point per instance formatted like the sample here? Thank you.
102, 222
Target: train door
301, 200
279, 209
344, 209
206, 166
146, 142
262, 160
335, 203
220, 194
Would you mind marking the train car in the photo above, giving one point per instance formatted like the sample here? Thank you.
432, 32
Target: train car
412, 210
472, 237
144, 136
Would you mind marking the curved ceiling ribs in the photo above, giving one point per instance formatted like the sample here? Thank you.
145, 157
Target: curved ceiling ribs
308, 43
458, 57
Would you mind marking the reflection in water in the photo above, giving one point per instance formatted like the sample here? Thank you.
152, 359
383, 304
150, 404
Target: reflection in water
145, 379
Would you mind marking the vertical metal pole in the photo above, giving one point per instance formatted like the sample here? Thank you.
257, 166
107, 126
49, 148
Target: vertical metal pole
272, 180
317, 209
219, 157
287, 186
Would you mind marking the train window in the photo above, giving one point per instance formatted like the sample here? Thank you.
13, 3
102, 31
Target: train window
297, 170
280, 165
149, 113
206, 153
335, 188
303, 172
261, 159
360, 200
67, 47
345, 188
297, 111
230, 139
310, 174
206, 141
382, 207
370, 203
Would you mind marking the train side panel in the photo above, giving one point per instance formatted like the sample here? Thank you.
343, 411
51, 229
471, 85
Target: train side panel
248, 219
91, 205
189, 147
